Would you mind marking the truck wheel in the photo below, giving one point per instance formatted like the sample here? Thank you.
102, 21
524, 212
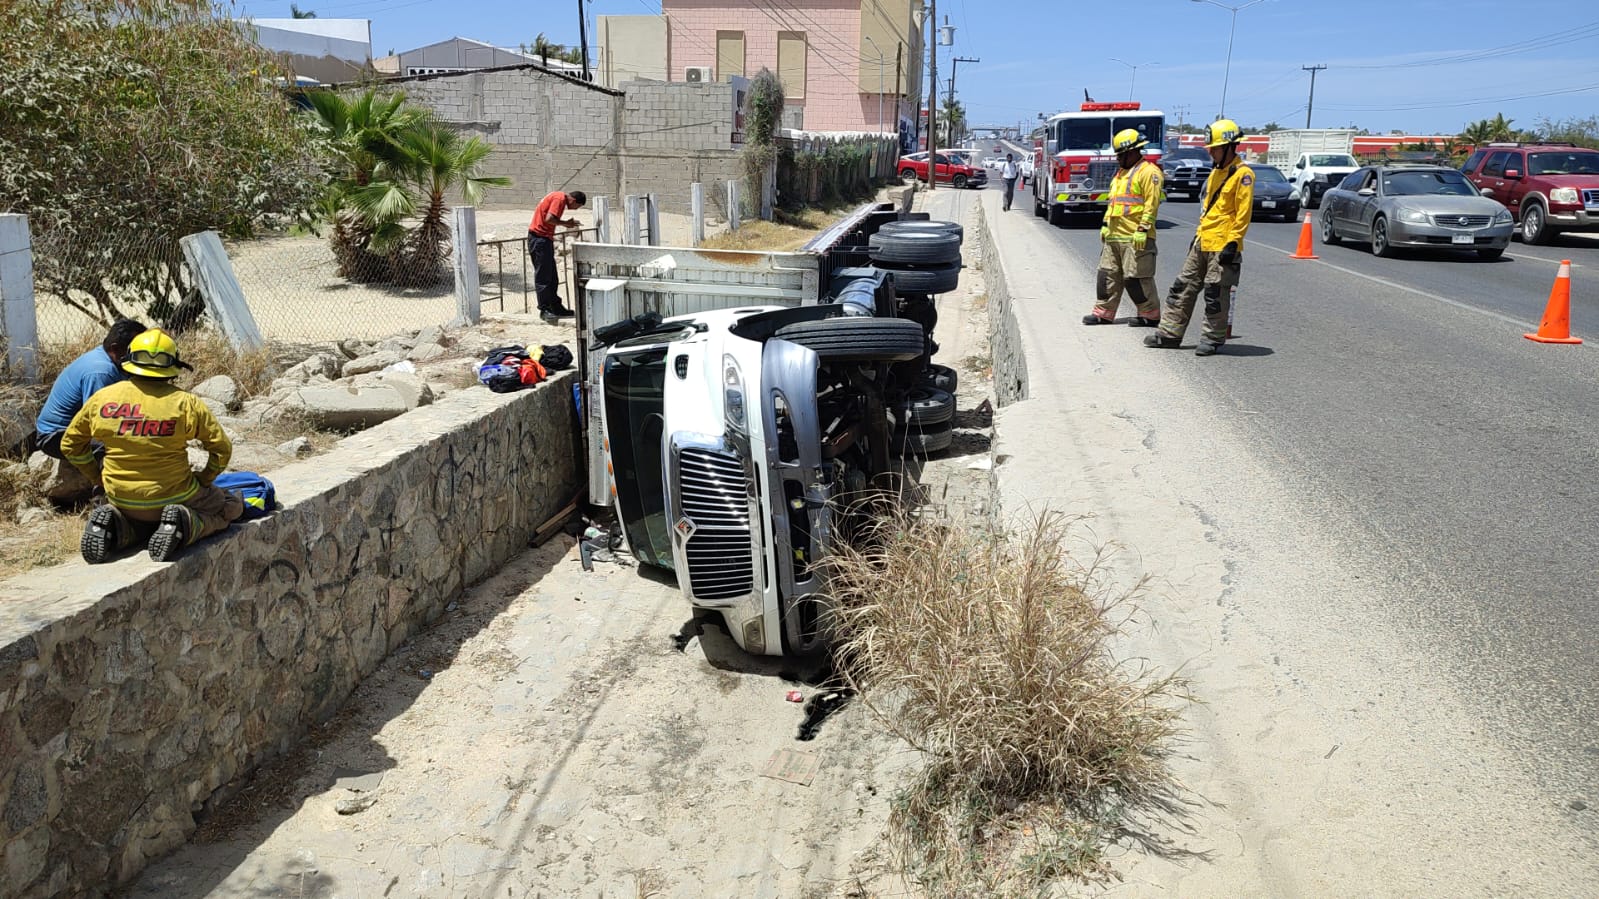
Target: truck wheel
852, 339
926, 247
1534, 225
925, 407
914, 442
1038, 208
959, 181
907, 173
942, 377
909, 227
1057, 215
927, 280
1305, 199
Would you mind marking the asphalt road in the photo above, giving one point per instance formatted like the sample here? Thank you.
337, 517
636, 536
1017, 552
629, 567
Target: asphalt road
1460, 457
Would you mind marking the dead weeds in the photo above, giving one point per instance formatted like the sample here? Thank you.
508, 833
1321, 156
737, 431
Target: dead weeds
989, 653
787, 232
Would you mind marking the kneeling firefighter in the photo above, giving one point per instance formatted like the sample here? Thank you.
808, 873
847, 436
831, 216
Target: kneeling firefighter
1216, 257
1128, 236
145, 424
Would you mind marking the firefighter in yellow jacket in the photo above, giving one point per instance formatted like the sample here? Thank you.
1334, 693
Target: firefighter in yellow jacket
1216, 257
1128, 236
145, 424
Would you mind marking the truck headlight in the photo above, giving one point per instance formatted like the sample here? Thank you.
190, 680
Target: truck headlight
1413, 215
1564, 195
733, 395
1502, 217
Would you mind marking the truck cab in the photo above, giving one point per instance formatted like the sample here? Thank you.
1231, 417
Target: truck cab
1074, 163
1314, 173
1548, 188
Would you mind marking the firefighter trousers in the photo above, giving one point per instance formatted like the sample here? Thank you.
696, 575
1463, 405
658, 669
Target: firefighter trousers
1122, 265
1203, 272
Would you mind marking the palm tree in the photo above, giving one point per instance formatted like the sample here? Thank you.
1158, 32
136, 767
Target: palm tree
296, 12
953, 118
1501, 127
438, 161
367, 199
1478, 133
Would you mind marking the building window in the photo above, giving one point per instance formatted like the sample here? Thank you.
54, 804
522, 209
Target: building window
791, 63
729, 54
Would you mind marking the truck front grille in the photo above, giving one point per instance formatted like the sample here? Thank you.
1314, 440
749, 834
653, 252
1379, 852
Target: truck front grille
1101, 173
715, 496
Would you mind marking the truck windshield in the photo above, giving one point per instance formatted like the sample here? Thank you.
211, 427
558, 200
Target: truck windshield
1083, 134
1577, 163
1333, 159
634, 399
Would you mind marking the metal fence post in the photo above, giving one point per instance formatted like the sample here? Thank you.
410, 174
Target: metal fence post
602, 219
468, 289
630, 221
768, 191
19, 324
696, 200
732, 205
219, 287
653, 213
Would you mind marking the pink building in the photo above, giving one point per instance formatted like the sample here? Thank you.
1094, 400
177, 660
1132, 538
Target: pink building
846, 65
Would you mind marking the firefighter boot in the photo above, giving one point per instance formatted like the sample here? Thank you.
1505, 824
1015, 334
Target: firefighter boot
1207, 348
177, 529
107, 533
1161, 340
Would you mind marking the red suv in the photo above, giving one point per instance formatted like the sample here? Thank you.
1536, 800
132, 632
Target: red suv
952, 169
1548, 188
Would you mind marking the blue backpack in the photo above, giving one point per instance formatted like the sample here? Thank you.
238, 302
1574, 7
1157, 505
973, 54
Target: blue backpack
260, 497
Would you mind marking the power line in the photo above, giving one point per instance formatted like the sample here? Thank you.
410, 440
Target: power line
1541, 42
1448, 104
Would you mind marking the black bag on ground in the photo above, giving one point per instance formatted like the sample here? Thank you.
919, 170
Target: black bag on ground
556, 357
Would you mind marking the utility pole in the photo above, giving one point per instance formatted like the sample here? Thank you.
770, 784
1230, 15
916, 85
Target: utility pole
1312, 104
954, 67
932, 97
583, 39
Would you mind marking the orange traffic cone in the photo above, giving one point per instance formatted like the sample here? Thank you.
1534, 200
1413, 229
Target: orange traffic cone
1556, 324
1304, 251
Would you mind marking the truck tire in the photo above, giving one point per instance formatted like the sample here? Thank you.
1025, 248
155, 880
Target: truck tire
959, 181
1306, 200
925, 407
942, 279
1057, 215
909, 227
926, 247
852, 339
915, 442
942, 377
908, 173
1038, 208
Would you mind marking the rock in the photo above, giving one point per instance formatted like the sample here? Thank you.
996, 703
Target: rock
221, 388
32, 515
352, 408
425, 352
430, 334
411, 386
63, 482
353, 349
299, 446
375, 362
356, 804
218, 409
322, 364
400, 345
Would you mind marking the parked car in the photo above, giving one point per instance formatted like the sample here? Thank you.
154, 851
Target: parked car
951, 168
1185, 170
1548, 188
1425, 206
1313, 174
1274, 196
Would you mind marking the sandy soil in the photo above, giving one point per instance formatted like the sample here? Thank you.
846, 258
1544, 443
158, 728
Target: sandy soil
560, 733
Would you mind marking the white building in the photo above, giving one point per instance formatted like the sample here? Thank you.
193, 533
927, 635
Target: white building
328, 50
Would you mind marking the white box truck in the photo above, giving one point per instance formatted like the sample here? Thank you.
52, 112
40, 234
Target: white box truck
1313, 159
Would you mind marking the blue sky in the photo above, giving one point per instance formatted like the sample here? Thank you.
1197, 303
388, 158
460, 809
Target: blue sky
1418, 65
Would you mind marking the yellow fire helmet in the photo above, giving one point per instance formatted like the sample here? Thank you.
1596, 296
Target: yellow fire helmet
1128, 139
1222, 132
154, 354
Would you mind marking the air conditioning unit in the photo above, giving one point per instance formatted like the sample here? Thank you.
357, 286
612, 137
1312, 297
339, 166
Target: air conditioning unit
699, 75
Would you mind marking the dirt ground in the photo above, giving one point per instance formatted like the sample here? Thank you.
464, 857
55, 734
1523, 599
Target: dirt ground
570, 733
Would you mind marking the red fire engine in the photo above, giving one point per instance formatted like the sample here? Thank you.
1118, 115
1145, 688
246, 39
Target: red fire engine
1072, 158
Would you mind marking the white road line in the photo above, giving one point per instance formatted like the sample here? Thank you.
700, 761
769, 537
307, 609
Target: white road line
1520, 323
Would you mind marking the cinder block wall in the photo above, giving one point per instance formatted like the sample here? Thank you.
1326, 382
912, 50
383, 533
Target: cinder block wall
132, 694
552, 133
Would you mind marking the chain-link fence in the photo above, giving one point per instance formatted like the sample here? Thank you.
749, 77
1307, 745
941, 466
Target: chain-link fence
310, 288
82, 283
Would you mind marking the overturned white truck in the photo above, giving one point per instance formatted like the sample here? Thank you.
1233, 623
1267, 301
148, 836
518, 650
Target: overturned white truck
733, 436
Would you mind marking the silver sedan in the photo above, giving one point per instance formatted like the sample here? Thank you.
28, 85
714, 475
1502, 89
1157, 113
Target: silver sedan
1424, 206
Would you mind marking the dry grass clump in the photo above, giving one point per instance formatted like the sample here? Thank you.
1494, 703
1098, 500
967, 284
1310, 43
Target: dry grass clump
211, 355
988, 652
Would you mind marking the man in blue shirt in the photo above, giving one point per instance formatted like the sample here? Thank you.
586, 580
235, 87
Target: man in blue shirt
99, 367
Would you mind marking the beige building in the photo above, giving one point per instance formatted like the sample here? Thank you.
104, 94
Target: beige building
630, 48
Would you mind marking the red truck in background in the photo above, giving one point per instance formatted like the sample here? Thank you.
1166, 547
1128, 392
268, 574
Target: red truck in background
1073, 162
1548, 188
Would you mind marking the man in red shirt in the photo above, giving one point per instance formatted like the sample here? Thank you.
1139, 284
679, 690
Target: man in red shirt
541, 246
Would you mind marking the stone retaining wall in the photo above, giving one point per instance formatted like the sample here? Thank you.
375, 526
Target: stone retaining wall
1004, 337
133, 693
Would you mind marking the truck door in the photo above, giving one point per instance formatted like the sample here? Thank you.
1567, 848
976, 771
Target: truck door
1515, 184
942, 172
